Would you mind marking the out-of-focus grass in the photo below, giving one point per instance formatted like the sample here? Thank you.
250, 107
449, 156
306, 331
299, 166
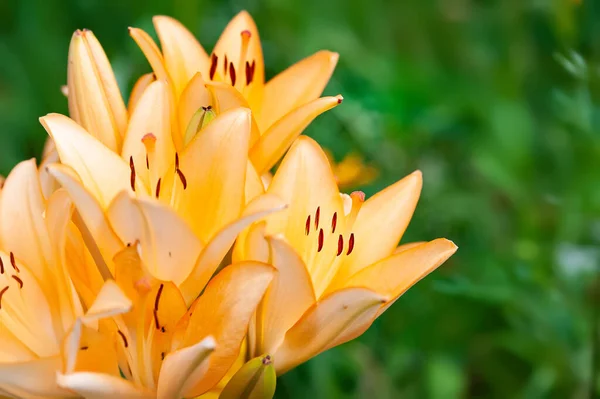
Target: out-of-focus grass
495, 101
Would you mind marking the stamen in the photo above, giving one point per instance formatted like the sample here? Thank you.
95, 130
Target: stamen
1, 266
182, 178
307, 227
246, 34
232, 73
249, 73
13, 263
321, 238
340, 245
125, 343
156, 323
162, 355
158, 188
333, 222
158, 294
213, 66
176, 161
2, 293
225, 66
18, 280
350, 244
132, 178
317, 217
84, 348
147, 162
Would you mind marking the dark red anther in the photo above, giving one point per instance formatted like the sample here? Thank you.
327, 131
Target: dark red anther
350, 244
1, 266
124, 338
317, 217
340, 245
333, 222
307, 227
158, 188
232, 73
18, 280
182, 178
2, 293
132, 178
176, 161
13, 263
321, 239
213, 66
225, 64
156, 323
249, 72
147, 162
158, 294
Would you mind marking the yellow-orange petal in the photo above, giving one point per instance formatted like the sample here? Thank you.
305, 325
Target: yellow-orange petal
101, 386
111, 301
216, 249
194, 96
95, 101
218, 312
299, 84
168, 247
254, 184
396, 274
22, 227
225, 97
183, 55
33, 379
152, 53
275, 141
381, 222
178, 366
100, 239
290, 294
230, 44
151, 117
323, 323
214, 164
139, 88
101, 170
304, 180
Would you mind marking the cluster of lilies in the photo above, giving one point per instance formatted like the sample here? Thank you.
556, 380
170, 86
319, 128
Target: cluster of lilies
154, 253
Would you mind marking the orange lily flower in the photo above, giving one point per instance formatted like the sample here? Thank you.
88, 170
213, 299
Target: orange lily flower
163, 244
233, 76
336, 256
38, 303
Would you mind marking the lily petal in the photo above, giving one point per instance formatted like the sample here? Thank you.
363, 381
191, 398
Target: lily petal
151, 116
95, 101
168, 247
291, 293
22, 227
183, 55
230, 45
152, 53
101, 170
322, 323
394, 275
214, 164
275, 141
194, 96
381, 222
178, 367
139, 88
101, 386
214, 252
305, 173
302, 82
101, 235
33, 379
111, 301
221, 314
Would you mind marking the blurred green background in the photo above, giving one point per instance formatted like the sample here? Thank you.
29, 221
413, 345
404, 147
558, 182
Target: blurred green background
495, 101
